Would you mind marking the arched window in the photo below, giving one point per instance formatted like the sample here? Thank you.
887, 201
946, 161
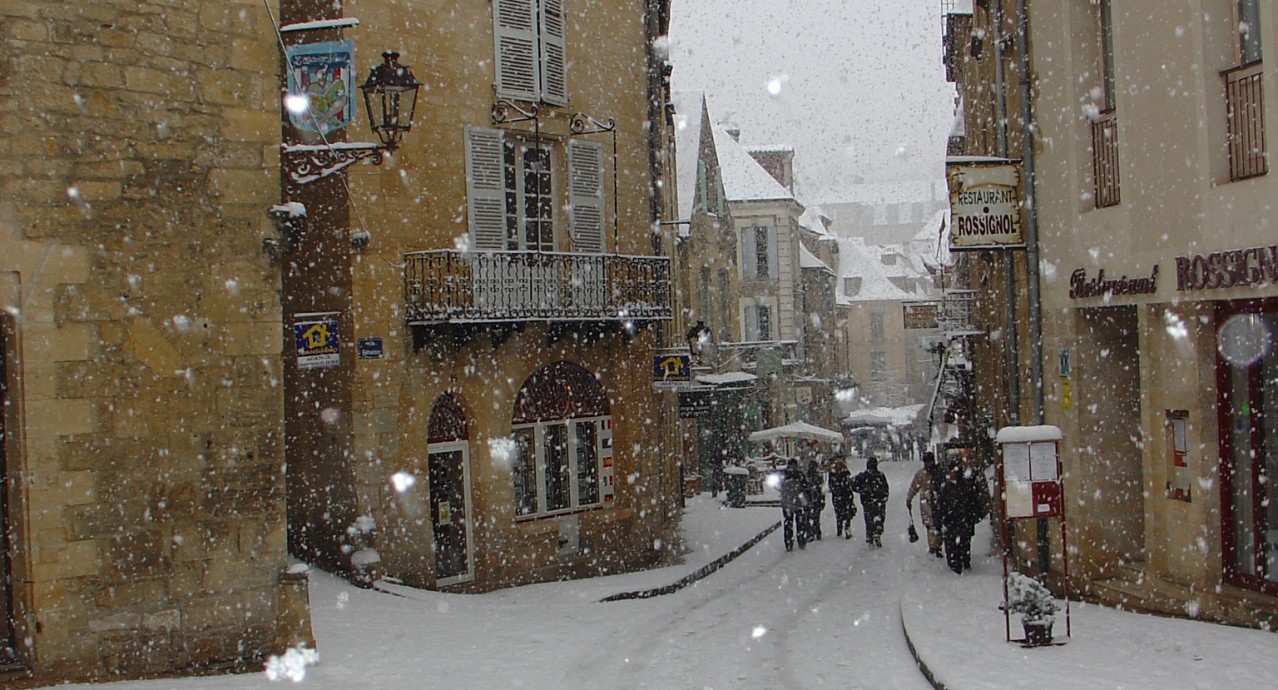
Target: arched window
562, 432
447, 420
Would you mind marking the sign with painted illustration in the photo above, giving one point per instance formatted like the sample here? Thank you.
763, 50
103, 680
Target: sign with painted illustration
985, 205
325, 74
316, 339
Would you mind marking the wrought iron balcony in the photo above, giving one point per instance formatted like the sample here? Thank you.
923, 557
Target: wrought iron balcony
502, 287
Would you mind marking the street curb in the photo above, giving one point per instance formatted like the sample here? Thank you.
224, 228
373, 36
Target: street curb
697, 574
918, 661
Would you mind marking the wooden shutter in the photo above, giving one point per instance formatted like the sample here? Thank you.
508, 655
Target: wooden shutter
515, 28
585, 196
751, 325
554, 60
749, 264
485, 189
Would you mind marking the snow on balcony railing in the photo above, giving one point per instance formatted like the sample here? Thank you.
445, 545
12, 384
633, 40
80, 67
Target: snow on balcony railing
467, 286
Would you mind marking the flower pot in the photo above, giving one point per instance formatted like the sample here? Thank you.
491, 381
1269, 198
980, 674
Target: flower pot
1037, 632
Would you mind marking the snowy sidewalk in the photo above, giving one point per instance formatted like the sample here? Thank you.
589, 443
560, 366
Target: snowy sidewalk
957, 633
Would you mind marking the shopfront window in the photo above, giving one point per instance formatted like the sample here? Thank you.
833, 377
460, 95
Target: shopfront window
1249, 414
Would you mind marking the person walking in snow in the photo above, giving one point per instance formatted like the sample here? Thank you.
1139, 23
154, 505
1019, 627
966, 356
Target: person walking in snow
964, 500
924, 485
841, 496
794, 501
873, 487
816, 502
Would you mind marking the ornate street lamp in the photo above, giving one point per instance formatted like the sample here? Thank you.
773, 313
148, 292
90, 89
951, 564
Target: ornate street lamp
390, 96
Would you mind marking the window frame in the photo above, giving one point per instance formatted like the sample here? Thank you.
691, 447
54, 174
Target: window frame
573, 452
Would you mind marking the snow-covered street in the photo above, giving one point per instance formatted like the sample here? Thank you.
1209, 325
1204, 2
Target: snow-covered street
828, 616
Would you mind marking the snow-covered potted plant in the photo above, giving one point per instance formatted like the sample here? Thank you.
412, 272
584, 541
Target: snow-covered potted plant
1036, 605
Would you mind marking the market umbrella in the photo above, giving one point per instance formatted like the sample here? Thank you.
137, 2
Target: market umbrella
797, 430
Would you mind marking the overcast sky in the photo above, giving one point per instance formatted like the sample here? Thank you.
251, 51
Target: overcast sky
855, 86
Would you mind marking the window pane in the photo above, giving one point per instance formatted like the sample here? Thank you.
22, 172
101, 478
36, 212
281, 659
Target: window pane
1249, 30
524, 472
556, 467
587, 463
761, 253
765, 323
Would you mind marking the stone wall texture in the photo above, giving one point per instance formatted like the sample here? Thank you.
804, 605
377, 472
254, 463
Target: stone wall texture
143, 453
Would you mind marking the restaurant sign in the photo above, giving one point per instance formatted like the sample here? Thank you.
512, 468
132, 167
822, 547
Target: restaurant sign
1232, 268
985, 200
921, 314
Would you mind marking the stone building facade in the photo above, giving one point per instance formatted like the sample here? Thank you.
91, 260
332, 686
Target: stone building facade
142, 449
1158, 302
498, 288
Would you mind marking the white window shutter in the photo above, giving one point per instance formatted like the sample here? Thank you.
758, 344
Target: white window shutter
751, 323
515, 28
485, 188
749, 265
554, 59
586, 196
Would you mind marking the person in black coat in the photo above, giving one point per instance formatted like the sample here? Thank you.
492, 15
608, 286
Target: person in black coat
841, 496
816, 502
794, 503
964, 501
873, 487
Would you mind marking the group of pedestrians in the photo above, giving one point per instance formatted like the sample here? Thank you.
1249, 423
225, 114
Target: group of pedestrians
952, 500
803, 500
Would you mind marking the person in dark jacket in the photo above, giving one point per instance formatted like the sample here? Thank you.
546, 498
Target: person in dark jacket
816, 503
873, 487
841, 496
794, 501
964, 500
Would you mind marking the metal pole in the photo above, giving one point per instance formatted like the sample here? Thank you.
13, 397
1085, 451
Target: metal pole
1031, 246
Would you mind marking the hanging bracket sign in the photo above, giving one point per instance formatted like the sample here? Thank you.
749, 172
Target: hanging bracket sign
985, 203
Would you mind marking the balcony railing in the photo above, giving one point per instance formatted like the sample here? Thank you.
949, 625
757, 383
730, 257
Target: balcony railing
493, 287
1105, 159
1245, 112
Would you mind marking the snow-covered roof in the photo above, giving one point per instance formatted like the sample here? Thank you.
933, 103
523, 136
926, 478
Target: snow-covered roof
769, 148
809, 260
1028, 434
743, 178
688, 109
858, 260
814, 219
732, 377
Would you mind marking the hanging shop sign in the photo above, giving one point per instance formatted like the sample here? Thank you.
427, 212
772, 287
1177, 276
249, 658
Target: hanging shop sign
317, 340
1080, 286
985, 204
323, 74
694, 404
921, 315
1256, 266
667, 368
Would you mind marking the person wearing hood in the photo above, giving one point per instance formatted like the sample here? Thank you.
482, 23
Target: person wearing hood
794, 503
873, 487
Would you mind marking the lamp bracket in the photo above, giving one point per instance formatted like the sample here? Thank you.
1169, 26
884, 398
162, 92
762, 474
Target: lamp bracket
307, 163
502, 112
581, 123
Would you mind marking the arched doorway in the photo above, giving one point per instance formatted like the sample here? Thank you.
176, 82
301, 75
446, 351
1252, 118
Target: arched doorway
562, 428
448, 472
